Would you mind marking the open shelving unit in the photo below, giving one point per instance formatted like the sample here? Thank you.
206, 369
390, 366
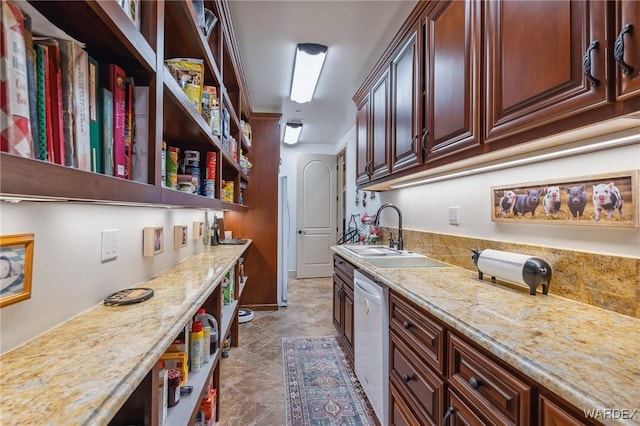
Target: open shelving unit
111, 37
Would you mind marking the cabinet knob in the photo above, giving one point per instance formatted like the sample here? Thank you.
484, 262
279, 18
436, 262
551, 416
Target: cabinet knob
301, 231
447, 414
586, 64
474, 383
406, 378
406, 324
618, 50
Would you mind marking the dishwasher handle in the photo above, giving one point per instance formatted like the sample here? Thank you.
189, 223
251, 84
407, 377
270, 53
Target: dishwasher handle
365, 290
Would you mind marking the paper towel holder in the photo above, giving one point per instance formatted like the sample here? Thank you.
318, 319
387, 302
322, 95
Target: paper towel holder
532, 271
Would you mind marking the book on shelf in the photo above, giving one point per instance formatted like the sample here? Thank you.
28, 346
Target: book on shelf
95, 139
46, 148
80, 89
53, 79
132, 10
113, 79
106, 119
128, 125
54, 152
15, 126
30, 55
140, 159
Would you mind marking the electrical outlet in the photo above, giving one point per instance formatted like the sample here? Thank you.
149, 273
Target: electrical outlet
454, 216
109, 244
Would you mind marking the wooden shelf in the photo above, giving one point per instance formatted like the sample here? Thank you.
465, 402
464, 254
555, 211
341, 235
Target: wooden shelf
110, 38
184, 412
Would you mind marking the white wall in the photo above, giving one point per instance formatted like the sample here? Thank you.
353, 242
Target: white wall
68, 275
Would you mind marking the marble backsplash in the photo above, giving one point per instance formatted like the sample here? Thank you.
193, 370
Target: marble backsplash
608, 282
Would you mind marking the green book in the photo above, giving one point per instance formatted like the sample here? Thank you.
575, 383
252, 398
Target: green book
97, 149
106, 121
41, 103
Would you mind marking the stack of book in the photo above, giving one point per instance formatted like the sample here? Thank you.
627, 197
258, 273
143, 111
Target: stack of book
60, 105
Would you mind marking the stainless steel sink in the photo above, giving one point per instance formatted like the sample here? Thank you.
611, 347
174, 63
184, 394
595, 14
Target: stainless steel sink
387, 257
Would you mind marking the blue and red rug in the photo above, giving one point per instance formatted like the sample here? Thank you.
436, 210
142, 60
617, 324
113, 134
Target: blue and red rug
320, 385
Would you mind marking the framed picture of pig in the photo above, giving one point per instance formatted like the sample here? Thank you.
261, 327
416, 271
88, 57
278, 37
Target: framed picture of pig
602, 200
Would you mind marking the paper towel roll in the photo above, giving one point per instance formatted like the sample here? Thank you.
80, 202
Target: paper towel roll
505, 265
514, 267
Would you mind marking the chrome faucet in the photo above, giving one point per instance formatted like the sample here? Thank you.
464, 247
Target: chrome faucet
377, 221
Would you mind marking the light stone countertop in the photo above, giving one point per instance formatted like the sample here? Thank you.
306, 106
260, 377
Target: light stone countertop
587, 355
82, 371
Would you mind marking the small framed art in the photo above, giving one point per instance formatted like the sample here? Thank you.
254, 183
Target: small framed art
16, 268
198, 230
179, 236
153, 241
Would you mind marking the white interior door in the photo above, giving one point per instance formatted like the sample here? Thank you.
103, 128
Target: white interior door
316, 215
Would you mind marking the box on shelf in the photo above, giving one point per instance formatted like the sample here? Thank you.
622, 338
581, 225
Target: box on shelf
178, 361
189, 74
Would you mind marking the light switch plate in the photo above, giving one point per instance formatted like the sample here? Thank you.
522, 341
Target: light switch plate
454, 216
109, 244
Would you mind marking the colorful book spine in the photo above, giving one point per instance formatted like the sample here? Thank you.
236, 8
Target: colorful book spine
128, 128
81, 133
114, 80
67, 50
140, 164
51, 146
106, 109
95, 140
42, 104
15, 127
31, 81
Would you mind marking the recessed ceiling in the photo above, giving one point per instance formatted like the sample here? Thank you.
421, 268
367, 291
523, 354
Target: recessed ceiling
356, 33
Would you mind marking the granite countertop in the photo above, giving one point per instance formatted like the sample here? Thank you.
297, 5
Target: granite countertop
82, 371
584, 354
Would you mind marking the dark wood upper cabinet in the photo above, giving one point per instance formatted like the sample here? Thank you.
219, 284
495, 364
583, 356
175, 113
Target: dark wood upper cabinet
452, 55
406, 95
362, 141
380, 128
627, 49
546, 61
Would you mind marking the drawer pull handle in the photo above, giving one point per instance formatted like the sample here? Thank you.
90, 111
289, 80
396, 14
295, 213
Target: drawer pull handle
406, 378
586, 64
618, 50
406, 324
474, 383
450, 411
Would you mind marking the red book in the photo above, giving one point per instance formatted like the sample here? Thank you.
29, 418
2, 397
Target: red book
113, 79
54, 100
129, 118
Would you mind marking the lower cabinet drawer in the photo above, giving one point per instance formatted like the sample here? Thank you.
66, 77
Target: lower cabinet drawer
401, 414
459, 413
500, 396
552, 415
418, 385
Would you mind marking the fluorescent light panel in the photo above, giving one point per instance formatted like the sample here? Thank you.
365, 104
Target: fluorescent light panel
292, 133
306, 71
523, 161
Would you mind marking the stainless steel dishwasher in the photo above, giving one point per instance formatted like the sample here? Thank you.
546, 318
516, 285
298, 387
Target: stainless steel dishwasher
371, 341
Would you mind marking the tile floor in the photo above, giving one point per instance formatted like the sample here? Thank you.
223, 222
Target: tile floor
252, 381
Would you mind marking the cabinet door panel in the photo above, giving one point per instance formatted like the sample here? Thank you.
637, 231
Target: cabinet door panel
362, 142
348, 318
380, 126
337, 303
534, 65
628, 13
461, 414
553, 415
406, 150
452, 52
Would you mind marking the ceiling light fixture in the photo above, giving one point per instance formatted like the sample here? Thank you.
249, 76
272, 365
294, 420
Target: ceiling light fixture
292, 132
306, 71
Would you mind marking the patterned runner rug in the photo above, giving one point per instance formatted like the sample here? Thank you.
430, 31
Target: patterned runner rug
320, 385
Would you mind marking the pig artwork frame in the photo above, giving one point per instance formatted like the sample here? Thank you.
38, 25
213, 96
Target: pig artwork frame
610, 200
